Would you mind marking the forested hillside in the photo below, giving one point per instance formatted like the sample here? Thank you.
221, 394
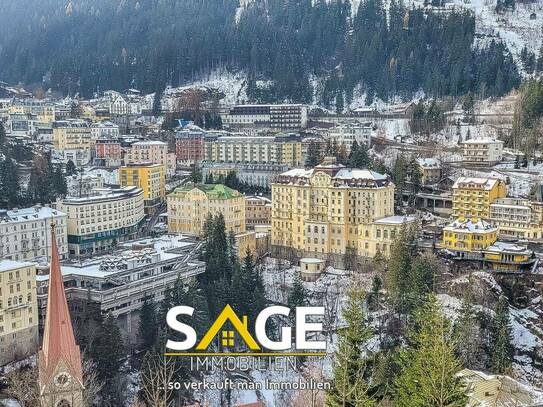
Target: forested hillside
90, 45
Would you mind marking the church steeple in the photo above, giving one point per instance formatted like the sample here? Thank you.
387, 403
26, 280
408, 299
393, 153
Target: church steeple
60, 369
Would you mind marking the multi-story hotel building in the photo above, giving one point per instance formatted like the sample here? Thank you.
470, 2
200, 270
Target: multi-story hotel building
280, 117
325, 212
483, 151
257, 211
18, 311
190, 206
155, 152
24, 233
518, 218
98, 222
472, 197
149, 177
283, 149
72, 134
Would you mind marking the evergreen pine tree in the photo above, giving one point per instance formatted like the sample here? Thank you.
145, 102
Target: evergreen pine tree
2, 135
108, 349
297, 293
70, 168
358, 157
469, 341
313, 154
428, 369
500, 347
399, 267
349, 385
59, 183
9, 183
148, 323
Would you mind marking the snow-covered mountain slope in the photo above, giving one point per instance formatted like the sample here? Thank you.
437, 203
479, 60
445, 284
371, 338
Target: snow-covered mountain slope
518, 28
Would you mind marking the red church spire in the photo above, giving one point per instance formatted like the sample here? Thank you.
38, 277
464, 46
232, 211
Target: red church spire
59, 347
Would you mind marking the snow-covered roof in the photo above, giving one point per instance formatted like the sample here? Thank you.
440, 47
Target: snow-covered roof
395, 220
499, 247
485, 140
480, 226
311, 260
149, 143
6, 265
474, 182
29, 214
428, 163
354, 173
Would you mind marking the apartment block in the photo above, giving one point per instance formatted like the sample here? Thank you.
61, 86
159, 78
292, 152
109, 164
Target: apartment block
483, 151
18, 311
467, 236
25, 232
155, 152
517, 218
280, 117
257, 211
72, 134
347, 134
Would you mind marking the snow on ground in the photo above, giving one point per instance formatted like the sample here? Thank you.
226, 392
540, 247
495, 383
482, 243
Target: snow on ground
450, 306
515, 28
9, 403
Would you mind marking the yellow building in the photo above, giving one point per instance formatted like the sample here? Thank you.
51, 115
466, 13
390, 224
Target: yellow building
464, 237
149, 177
502, 256
378, 237
324, 212
472, 197
189, 206
18, 310
43, 110
246, 241
72, 134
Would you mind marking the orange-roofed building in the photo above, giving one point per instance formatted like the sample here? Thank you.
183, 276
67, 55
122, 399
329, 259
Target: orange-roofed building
59, 360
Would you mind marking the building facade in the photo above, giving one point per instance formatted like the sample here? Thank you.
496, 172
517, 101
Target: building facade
517, 218
151, 178
100, 221
346, 135
155, 152
72, 134
483, 151
109, 151
18, 311
467, 236
283, 149
279, 117
104, 130
257, 211
191, 205
24, 233
324, 212
189, 146
430, 170
472, 197
258, 175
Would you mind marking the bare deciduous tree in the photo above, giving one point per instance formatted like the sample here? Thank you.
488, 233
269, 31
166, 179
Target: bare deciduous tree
156, 373
23, 386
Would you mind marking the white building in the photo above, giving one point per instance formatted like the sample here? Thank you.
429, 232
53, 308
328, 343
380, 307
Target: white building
346, 134
279, 117
105, 130
99, 221
483, 151
25, 233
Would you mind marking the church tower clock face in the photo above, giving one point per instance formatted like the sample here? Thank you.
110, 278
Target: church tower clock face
62, 380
